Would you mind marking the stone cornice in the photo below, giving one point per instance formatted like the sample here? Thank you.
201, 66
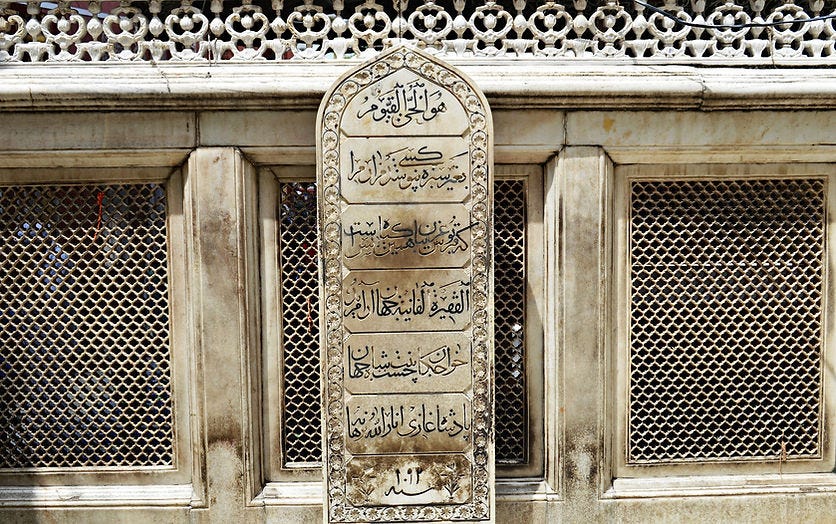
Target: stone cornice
507, 83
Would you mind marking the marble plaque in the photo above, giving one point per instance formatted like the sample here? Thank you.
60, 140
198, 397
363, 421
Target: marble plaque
404, 156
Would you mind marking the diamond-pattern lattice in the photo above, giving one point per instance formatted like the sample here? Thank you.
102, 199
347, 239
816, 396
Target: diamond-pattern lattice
509, 318
300, 322
85, 371
726, 319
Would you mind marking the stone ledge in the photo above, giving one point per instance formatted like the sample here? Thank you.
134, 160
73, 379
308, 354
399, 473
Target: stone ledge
310, 493
171, 495
725, 485
507, 83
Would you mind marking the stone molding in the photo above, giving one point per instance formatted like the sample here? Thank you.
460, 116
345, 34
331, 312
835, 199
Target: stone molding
175, 495
506, 84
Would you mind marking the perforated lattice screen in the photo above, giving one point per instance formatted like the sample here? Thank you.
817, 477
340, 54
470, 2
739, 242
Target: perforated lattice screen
84, 332
301, 437
509, 321
726, 319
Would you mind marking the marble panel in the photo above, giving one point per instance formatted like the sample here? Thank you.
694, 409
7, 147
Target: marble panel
404, 177
407, 300
398, 423
404, 103
410, 480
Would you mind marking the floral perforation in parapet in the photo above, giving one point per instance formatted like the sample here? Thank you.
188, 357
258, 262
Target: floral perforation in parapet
752, 31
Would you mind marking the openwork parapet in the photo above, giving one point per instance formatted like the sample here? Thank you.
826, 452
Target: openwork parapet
674, 31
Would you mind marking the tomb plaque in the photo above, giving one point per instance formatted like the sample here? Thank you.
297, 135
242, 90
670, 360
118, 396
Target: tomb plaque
404, 171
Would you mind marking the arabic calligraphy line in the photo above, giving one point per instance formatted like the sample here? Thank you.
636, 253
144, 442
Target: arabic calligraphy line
409, 168
411, 480
407, 421
448, 301
382, 237
404, 104
366, 362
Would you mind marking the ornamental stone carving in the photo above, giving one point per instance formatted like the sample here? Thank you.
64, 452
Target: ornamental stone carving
749, 32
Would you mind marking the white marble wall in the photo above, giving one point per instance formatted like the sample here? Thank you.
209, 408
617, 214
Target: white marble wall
220, 125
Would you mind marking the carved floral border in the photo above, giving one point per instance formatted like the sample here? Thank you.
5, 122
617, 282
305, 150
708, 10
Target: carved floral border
334, 452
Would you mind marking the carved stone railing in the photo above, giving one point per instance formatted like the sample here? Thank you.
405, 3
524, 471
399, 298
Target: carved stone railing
713, 32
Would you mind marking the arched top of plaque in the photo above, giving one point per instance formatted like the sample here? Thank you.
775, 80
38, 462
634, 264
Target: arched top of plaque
403, 92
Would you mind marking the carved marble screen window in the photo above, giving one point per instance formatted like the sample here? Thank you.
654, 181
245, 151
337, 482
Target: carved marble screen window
724, 320
290, 305
93, 364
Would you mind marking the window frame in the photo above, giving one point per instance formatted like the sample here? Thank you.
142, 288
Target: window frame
305, 476
532, 176
126, 485
272, 375
713, 471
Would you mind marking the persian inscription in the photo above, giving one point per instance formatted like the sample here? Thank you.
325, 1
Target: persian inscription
402, 104
410, 363
395, 170
408, 300
408, 423
404, 184
396, 236
423, 479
